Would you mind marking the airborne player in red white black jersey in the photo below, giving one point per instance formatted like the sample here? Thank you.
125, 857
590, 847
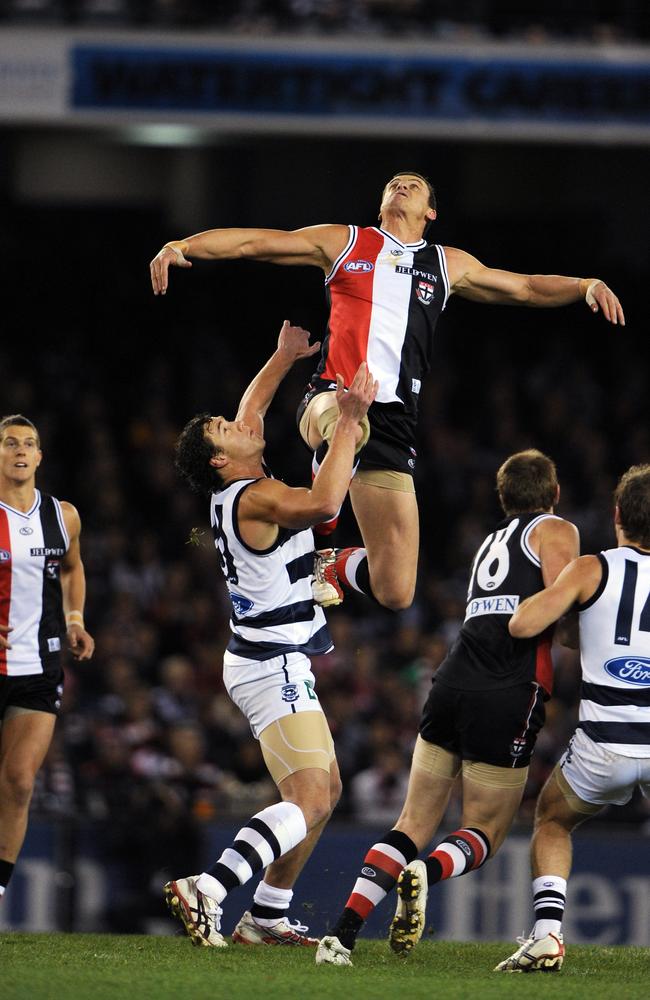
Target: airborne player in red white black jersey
400, 307
385, 299
42, 594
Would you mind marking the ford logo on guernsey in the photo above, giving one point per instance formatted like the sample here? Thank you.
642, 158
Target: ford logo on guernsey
634, 671
358, 265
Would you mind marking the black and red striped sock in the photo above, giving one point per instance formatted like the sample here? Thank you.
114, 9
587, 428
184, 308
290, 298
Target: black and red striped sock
462, 851
379, 873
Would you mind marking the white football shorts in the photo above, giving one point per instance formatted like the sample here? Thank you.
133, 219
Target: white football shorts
267, 690
601, 777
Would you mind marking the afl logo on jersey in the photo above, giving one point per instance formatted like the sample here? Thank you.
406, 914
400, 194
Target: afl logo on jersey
634, 671
5, 556
358, 266
424, 292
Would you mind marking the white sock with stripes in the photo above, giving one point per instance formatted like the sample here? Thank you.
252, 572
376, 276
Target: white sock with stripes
549, 900
265, 837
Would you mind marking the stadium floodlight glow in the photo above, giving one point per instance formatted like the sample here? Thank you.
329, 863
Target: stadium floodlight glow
164, 134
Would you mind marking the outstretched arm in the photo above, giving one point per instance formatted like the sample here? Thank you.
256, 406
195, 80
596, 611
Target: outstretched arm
576, 583
269, 501
318, 245
472, 280
293, 344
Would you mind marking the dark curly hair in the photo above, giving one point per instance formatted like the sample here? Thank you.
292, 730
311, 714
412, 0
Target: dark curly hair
192, 457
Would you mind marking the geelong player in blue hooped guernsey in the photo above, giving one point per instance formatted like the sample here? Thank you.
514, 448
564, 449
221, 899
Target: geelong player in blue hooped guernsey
387, 286
42, 595
609, 755
262, 532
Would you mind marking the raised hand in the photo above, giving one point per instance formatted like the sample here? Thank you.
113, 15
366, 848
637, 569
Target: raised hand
294, 342
355, 401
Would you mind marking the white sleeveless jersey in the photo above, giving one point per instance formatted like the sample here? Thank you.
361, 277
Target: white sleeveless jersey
32, 545
615, 654
270, 590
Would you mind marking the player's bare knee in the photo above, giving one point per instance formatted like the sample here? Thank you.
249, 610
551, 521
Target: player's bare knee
394, 598
315, 811
336, 789
16, 786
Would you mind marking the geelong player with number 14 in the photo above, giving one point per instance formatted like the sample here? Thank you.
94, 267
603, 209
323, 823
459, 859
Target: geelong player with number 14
609, 754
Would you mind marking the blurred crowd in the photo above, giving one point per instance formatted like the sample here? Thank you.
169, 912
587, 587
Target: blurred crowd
147, 728
149, 750
476, 20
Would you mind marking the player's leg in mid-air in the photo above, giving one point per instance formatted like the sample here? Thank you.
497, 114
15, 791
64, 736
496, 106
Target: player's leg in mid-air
317, 416
385, 507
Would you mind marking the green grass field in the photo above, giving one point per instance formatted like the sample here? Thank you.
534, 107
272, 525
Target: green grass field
98, 967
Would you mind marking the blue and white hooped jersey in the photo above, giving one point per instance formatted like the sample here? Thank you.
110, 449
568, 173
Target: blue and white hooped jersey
615, 654
273, 611
32, 544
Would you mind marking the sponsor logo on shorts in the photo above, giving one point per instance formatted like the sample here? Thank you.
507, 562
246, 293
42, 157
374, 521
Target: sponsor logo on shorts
632, 670
424, 292
290, 692
504, 604
369, 872
359, 266
4, 555
26, 530
416, 385
54, 645
47, 552
411, 463
242, 605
